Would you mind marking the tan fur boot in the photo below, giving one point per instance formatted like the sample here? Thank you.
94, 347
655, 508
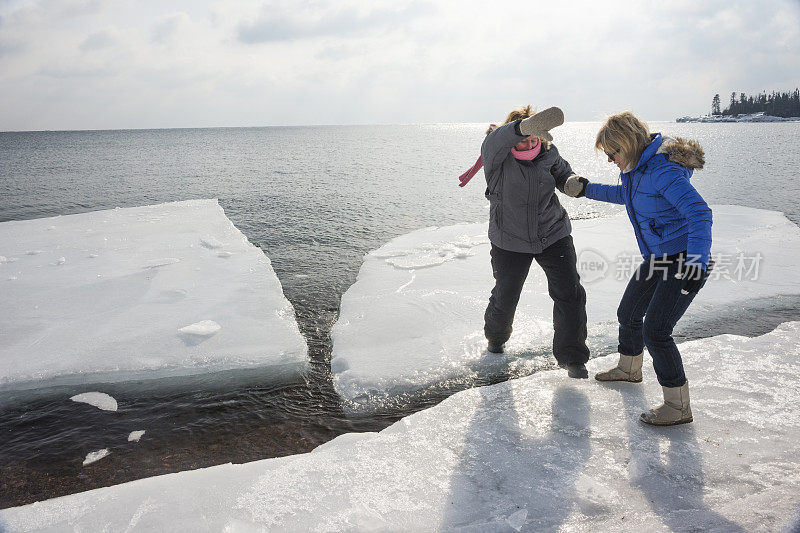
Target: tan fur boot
675, 409
629, 368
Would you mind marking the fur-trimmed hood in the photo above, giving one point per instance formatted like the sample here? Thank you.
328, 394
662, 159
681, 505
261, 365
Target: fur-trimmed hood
685, 152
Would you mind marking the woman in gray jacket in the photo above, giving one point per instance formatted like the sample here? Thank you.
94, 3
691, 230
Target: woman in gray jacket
527, 223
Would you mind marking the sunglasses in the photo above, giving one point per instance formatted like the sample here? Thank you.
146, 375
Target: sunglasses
612, 154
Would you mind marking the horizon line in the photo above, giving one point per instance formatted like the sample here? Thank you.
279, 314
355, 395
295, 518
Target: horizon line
84, 130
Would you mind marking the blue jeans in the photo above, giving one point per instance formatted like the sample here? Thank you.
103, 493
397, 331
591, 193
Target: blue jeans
650, 308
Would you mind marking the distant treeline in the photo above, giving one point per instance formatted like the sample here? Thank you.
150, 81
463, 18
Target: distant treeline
775, 104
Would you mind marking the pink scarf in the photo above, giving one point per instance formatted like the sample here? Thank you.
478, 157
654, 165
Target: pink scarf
524, 155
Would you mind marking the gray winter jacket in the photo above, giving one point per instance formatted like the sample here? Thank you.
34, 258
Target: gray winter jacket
524, 214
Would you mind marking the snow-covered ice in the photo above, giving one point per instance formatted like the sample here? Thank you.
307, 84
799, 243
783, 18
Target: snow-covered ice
103, 296
101, 400
204, 328
414, 317
136, 435
540, 453
92, 457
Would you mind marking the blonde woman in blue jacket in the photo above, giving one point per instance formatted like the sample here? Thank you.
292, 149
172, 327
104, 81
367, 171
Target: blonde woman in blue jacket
672, 225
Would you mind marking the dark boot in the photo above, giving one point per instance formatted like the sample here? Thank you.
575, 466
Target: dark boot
576, 370
495, 347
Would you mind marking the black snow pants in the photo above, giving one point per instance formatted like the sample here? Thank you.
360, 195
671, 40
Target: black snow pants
559, 263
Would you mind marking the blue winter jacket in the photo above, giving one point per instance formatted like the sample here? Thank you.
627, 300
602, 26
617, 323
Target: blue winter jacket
667, 213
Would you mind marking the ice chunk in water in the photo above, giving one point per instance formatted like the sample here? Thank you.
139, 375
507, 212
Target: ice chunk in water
91, 457
100, 400
135, 435
133, 281
414, 317
517, 520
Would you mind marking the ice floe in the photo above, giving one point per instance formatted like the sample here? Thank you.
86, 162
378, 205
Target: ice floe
414, 317
93, 457
101, 400
136, 435
540, 453
128, 280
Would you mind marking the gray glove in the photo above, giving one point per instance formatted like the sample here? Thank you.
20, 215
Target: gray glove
542, 122
575, 186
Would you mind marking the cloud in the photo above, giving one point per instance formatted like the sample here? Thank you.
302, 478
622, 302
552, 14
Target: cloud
87, 63
8, 48
75, 71
167, 28
74, 8
275, 25
98, 41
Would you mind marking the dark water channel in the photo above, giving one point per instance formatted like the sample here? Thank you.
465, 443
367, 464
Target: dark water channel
315, 218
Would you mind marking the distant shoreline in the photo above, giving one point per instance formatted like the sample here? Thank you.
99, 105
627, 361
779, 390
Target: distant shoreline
754, 117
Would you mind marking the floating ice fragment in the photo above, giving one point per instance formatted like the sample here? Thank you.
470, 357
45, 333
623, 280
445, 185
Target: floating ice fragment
135, 435
205, 328
224, 254
438, 326
517, 520
3, 260
155, 263
91, 457
44, 323
61, 261
101, 400
210, 242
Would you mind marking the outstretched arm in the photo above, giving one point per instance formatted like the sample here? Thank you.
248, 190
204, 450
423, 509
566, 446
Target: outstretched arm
577, 186
604, 193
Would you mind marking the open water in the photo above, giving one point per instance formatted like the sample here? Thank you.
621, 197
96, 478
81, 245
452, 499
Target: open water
315, 199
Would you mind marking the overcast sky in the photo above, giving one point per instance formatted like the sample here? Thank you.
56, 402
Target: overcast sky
97, 64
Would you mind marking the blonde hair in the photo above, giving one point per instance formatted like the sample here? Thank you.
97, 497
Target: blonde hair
626, 133
516, 114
